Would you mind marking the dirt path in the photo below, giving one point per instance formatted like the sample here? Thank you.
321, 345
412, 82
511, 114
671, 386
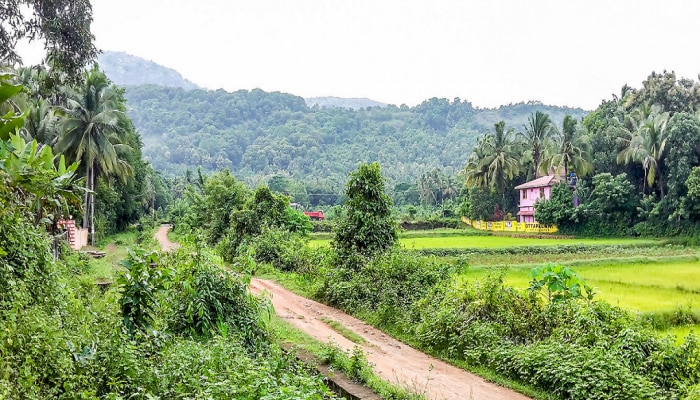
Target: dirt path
393, 360
162, 238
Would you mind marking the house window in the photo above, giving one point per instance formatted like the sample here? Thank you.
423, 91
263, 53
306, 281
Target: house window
525, 194
541, 193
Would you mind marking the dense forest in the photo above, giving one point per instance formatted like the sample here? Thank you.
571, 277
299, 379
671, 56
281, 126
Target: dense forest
258, 135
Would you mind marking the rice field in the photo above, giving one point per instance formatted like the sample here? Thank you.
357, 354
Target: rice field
648, 287
641, 275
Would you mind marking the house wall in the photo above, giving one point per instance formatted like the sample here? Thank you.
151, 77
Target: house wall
533, 194
527, 203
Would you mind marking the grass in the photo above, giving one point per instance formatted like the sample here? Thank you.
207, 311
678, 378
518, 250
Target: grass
345, 332
652, 286
492, 242
601, 254
681, 332
115, 246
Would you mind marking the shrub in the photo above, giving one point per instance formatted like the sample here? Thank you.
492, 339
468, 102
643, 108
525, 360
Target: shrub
205, 295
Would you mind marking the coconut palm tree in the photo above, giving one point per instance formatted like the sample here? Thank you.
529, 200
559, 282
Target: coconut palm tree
501, 156
645, 139
40, 124
476, 171
92, 133
573, 150
538, 132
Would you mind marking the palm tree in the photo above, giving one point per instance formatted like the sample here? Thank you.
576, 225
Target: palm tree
573, 149
501, 157
646, 142
476, 172
93, 128
40, 123
538, 130
430, 186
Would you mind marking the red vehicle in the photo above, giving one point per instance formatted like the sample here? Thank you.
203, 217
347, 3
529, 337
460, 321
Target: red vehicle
315, 215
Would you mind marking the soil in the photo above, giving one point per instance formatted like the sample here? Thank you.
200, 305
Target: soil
394, 361
162, 238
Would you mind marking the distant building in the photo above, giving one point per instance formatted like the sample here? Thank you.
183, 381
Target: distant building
530, 192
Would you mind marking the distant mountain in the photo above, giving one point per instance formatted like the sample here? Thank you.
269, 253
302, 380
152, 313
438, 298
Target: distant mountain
341, 102
127, 70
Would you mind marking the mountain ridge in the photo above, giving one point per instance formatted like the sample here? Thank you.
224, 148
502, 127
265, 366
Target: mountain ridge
128, 70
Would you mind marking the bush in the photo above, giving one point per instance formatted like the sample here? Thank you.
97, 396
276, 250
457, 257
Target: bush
387, 285
205, 294
428, 224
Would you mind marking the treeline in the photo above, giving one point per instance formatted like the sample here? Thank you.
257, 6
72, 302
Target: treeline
635, 159
258, 135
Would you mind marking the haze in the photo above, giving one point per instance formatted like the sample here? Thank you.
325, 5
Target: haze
573, 53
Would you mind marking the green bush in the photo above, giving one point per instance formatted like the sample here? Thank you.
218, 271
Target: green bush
205, 294
385, 285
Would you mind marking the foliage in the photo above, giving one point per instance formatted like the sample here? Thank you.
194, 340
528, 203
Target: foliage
386, 285
561, 282
479, 203
692, 201
205, 296
368, 228
222, 369
64, 26
139, 287
559, 209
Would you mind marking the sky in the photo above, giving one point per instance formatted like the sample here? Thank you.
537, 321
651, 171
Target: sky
561, 52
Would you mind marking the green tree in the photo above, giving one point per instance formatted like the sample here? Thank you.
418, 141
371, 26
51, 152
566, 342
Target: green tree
93, 128
538, 131
63, 25
613, 196
559, 209
572, 149
368, 227
646, 143
476, 170
500, 156
667, 91
691, 203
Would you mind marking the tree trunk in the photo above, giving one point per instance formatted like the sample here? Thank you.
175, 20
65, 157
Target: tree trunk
92, 207
86, 199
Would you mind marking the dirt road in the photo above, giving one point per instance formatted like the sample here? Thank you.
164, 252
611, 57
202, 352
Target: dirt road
162, 238
393, 360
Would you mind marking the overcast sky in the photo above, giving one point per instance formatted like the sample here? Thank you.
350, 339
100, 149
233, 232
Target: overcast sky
573, 53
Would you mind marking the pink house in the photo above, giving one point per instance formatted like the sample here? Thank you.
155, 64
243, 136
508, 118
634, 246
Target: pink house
532, 191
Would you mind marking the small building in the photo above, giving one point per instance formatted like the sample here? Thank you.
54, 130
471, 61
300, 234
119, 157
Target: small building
531, 192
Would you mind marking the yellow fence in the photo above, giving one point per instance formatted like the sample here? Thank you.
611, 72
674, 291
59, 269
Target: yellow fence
510, 226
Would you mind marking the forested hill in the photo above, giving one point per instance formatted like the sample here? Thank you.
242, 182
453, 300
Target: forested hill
125, 70
258, 134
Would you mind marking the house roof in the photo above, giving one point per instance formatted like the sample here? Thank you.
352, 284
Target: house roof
547, 180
